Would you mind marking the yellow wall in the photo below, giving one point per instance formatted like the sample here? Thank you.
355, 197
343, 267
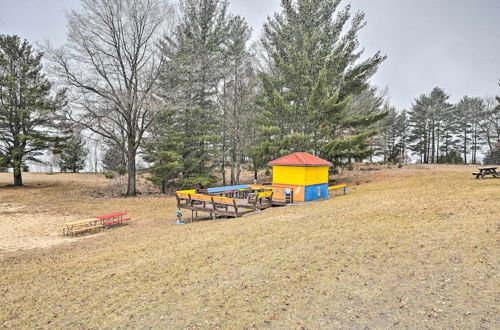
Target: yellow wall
316, 175
300, 175
289, 175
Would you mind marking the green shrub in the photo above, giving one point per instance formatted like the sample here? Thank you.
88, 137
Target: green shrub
453, 157
121, 170
109, 175
200, 181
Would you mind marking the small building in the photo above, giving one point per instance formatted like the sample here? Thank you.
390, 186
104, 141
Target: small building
306, 174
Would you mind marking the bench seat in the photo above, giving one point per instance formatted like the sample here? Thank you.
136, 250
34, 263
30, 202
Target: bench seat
84, 229
109, 223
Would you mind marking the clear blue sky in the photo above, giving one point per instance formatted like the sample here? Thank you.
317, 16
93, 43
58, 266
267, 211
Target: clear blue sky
454, 44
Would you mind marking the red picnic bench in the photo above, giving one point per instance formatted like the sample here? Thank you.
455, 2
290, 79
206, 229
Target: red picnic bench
94, 224
113, 219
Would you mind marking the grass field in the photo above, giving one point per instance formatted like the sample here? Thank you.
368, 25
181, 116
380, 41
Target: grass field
415, 247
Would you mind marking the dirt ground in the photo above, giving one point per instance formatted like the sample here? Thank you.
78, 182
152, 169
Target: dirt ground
406, 248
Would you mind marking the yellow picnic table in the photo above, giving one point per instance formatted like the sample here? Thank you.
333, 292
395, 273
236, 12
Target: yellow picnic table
76, 227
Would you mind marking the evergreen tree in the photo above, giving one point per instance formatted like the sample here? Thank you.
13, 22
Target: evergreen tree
166, 168
401, 131
490, 122
419, 123
389, 137
236, 98
4, 163
468, 113
368, 103
315, 69
431, 121
114, 159
492, 157
73, 154
195, 67
28, 113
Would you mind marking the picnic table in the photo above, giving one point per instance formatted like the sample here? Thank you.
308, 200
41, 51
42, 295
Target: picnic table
483, 171
77, 227
113, 219
96, 223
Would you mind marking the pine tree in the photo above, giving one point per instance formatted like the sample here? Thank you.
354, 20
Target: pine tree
195, 67
236, 98
4, 162
166, 168
114, 159
419, 123
431, 121
492, 157
28, 113
490, 122
73, 154
368, 103
389, 137
315, 69
468, 112
401, 131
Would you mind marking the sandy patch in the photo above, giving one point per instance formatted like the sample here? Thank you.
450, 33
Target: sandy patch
22, 229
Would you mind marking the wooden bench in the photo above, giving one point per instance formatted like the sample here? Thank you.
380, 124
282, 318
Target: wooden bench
85, 229
121, 221
214, 205
261, 199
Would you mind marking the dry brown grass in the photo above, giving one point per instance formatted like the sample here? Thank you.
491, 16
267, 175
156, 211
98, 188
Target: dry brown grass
414, 248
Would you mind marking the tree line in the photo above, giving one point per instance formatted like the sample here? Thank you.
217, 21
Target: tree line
187, 89
437, 131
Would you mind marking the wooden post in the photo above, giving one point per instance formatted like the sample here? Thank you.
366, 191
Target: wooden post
215, 208
235, 208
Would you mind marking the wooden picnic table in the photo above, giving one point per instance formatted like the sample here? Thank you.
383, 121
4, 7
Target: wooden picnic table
483, 171
76, 227
113, 219
81, 225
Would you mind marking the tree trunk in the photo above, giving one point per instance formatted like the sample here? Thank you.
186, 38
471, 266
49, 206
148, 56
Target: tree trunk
131, 190
223, 165
18, 178
465, 148
238, 170
433, 141
233, 161
475, 143
438, 143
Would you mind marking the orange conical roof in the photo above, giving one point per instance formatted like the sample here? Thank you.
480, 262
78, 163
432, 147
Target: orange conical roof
300, 159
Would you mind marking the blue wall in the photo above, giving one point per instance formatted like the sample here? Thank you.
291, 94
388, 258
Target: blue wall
316, 191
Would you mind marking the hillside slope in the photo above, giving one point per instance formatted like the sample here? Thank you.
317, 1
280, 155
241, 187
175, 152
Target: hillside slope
414, 248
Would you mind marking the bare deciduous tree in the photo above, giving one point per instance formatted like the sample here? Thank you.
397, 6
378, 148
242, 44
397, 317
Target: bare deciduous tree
111, 64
